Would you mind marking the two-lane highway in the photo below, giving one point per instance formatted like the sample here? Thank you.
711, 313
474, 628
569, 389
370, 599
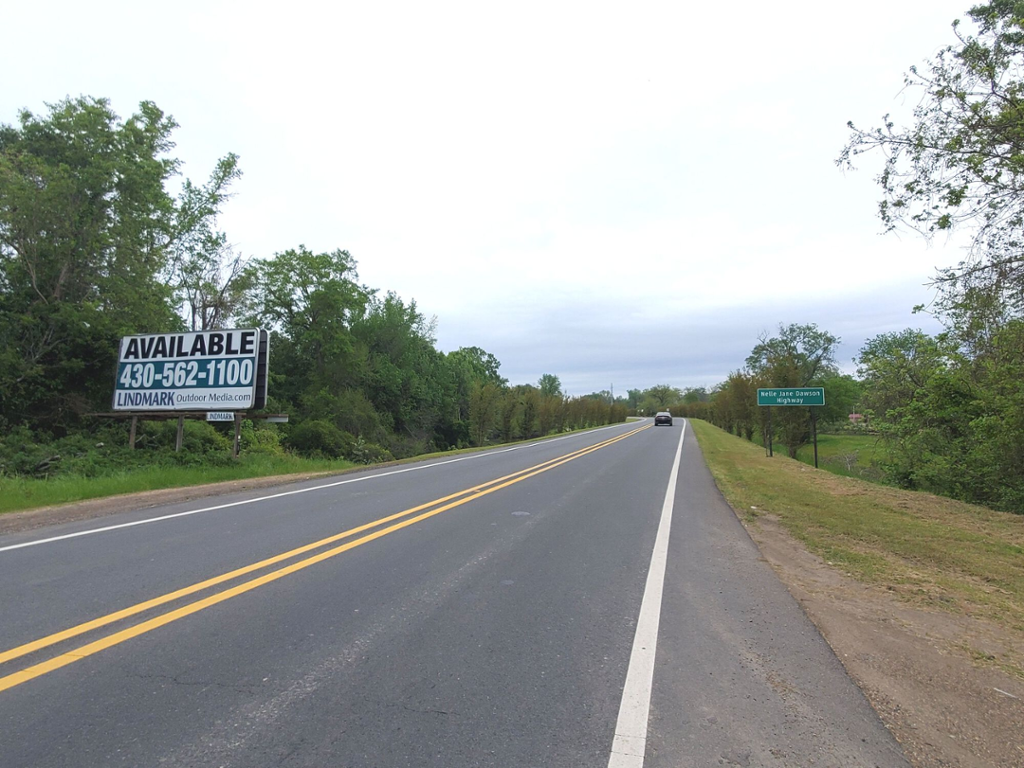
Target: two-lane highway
484, 610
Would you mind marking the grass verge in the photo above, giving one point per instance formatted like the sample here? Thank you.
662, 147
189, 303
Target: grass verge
20, 493
926, 549
848, 454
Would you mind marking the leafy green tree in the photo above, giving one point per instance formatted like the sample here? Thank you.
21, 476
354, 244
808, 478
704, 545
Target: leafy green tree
734, 404
550, 385
309, 300
695, 395
960, 164
795, 358
402, 370
510, 408
479, 364
484, 410
894, 367
800, 356
86, 229
659, 398
951, 422
530, 398
633, 398
949, 407
210, 281
842, 393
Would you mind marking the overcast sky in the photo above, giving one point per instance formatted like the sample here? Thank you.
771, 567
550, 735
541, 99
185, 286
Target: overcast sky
620, 194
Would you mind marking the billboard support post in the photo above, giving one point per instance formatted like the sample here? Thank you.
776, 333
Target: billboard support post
238, 435
131, 433
180, 434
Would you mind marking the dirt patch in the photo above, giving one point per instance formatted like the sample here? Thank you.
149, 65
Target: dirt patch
946, 685
14, 522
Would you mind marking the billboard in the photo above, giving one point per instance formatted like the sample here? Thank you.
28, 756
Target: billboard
197, 371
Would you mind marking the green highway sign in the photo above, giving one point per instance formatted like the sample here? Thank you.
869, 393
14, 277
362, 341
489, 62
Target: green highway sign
797, 396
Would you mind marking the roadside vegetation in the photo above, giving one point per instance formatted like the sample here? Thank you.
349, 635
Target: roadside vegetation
19, 492
101, 237
852, 454
93, 471
948, 409
923, 548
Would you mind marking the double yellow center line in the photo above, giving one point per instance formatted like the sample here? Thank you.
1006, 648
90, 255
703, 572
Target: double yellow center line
435, 507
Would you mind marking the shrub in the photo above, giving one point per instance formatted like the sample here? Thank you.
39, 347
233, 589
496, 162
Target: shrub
363, 452
317, 437
198, 437
260, 439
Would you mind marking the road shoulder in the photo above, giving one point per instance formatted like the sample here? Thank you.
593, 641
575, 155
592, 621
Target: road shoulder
944, 707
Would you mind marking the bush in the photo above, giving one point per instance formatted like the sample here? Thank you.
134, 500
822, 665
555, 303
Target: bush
363, 452
260, 439
198, 437
317, 437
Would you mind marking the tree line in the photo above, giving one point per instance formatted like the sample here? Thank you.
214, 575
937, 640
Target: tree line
101, 238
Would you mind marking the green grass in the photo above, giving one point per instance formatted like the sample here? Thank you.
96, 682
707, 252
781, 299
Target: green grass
849, 454
19, 493
924, 548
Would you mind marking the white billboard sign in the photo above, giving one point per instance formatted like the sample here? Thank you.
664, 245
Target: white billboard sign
198, 371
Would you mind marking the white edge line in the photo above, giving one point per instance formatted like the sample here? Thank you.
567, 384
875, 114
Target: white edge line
361, 478
630, 740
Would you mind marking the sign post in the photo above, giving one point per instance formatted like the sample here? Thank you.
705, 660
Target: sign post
810, 397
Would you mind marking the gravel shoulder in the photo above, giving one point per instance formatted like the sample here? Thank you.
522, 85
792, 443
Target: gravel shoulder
929, 674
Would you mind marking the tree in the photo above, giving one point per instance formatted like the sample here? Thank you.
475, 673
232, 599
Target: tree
695, 395
633, 397
894, 367
309, 300
468, 367
960, 164
659, 398
86, 229
209, 280
530, 398
550, 385
480, 364
735, 404
842, 393
401, 376
951, 423
800, 356
794, 358
485, 401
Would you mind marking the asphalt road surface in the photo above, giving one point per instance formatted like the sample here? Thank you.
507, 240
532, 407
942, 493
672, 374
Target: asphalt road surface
586, 601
